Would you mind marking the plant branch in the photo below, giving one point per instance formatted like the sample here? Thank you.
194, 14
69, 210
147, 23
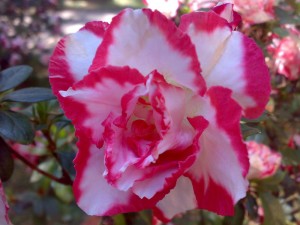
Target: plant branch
52, 148
62, 180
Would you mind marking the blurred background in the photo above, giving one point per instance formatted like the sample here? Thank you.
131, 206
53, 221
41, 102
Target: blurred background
29, 29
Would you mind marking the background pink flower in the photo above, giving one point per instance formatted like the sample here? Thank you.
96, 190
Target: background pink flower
4, 220
286, 55
195, 5
255, 11
263, 161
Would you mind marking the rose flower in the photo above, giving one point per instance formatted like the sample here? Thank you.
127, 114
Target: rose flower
263, 161
256, 11
157, 108
286, 55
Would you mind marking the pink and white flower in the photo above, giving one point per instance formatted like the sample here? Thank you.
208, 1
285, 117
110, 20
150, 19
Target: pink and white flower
286, 55
255, 11
263, 161
196, 5
156, 130
4, 220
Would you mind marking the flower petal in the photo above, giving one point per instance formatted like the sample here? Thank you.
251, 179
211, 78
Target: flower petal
4, 220
148, 41
226, 11
180, 199
151, 167
174, 154
218, 175
232, 60
92, 192
89, 102
73, 56
160, 178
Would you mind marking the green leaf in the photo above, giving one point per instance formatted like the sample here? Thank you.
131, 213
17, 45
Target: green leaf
66, 159
6, 161
280, 31
51, 206
63, 192
263, 117
249, 131
119, 219
30, 95
16, 127
251, 206
238, 218
14, 76
291, 156
271, 183
276, 179
273, 212
286, 17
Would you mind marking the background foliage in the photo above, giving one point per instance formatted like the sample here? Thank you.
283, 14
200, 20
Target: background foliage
37, 144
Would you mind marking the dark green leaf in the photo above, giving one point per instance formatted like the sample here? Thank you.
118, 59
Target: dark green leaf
273, 212
263, 117
271, 183
280, 31
286, 17
6, 161
31, 95
51, 206
249, 131
291, 156
13, 76
238, 218
66, 159
38, 208
276, 178
251, 206
16, 127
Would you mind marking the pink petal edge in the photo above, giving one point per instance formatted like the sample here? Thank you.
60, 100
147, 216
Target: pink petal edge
132, 29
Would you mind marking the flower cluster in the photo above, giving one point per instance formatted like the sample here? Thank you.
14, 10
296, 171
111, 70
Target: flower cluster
26, 30
252, 12
157, 110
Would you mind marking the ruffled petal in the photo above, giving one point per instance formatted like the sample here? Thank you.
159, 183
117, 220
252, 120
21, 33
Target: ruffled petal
148, 41
226, 11
159, 179
218, 175
232, 60
92, 192
73, 56
179, 200
4, 220
152, 166
89, 102
170, 104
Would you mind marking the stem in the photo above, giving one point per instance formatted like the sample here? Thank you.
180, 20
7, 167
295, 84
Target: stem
202, 221
52, 147
62, 180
